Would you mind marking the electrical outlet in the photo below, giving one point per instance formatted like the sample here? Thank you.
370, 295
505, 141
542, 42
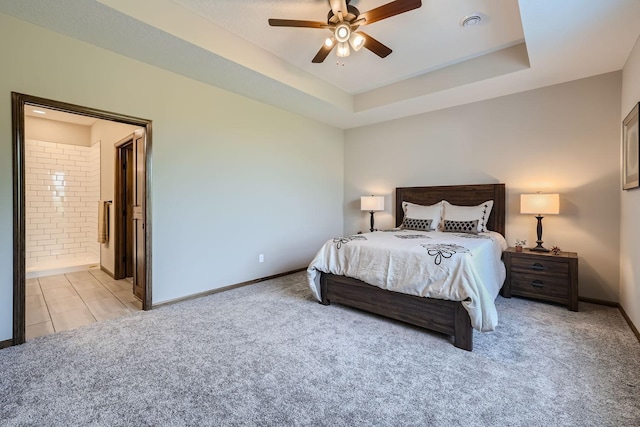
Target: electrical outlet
261, 258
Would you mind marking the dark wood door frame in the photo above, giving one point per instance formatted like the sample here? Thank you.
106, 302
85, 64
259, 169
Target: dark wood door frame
18, 102
121, 207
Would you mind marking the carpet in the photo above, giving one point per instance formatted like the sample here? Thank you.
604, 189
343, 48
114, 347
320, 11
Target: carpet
269, 354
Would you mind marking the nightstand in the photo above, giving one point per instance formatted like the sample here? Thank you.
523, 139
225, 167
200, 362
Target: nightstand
542, 275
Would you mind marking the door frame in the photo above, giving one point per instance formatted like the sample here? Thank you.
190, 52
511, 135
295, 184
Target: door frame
18, 102
119, 225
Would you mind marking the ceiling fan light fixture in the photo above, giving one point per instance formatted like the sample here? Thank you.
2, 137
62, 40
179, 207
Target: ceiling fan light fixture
343, 50
342, 32
329, 41
356, 41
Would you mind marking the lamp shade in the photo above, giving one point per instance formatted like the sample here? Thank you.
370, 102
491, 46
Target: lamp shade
372, 203
540, 204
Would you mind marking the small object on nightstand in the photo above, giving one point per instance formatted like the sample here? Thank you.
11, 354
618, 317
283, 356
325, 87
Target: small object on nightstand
555, 250
520, 244
542, 275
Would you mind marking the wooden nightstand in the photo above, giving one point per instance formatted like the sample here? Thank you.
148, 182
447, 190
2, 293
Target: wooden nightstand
542, 275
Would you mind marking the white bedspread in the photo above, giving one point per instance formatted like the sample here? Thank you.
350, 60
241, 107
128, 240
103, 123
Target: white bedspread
451, 266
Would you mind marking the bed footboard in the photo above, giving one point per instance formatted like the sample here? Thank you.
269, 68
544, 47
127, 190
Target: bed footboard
447, 317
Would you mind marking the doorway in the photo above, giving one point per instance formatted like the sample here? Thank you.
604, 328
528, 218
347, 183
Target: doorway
19, 101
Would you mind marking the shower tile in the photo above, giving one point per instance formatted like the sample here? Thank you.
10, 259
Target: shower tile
37, 315
61, 292
61, 305
39, 330
72, 319
94, 294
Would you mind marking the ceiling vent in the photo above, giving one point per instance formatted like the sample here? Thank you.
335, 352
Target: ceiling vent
470, 20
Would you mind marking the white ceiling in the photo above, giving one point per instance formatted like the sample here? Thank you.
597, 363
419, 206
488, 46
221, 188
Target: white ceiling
436, 63
59, 116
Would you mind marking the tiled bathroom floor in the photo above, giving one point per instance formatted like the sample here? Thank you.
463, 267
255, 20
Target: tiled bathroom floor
67, 301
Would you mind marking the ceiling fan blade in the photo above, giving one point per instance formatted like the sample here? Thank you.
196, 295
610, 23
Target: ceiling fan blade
322, 53
338, 6
296, 23
375, 46
390, 9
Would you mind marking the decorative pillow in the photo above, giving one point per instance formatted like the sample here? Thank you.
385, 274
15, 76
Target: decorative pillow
416, 224
469, 213
432, 212
470, 227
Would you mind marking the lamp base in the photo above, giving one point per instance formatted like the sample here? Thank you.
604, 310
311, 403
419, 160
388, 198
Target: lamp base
539, 247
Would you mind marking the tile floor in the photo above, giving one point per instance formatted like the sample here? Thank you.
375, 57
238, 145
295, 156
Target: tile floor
67, 301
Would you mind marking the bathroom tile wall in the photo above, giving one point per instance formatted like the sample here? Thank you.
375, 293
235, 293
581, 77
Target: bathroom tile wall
62, 187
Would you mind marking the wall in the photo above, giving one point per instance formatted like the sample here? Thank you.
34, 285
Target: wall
62, 187
56, 131
108, 133
630, 206
232, 178
563, 138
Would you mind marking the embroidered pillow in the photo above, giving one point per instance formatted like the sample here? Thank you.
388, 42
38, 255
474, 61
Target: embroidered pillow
432, 212
470, 227
469, 213
416, 224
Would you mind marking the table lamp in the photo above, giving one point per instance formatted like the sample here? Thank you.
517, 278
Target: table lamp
540, 204
372, 204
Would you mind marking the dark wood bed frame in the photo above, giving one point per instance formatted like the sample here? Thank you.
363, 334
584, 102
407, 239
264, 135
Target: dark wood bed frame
447, 317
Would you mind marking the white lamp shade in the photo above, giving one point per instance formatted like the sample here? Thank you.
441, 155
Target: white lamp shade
540, 204
372, 203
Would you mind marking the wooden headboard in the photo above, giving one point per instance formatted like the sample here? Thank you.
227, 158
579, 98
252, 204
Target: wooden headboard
463, 195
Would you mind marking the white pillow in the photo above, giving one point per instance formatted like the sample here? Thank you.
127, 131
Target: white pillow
469, 213
432, 212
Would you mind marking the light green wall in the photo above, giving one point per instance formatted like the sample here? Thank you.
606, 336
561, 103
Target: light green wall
232, 178
630, 210
562, 138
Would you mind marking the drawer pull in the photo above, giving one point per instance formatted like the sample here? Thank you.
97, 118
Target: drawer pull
538, 267
537, 284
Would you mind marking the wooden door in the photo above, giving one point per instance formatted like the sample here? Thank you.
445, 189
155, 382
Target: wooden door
127, 211
138, 217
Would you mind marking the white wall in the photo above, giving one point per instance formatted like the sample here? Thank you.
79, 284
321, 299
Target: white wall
108, 133
563, 138
232, 178
630, 208
56, 131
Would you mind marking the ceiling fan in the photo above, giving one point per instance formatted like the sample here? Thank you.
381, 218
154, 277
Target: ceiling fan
344, 20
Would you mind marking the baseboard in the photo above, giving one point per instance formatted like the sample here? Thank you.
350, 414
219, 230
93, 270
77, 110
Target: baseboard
224, 288
6, 343
628, 319
110, 274
599, 301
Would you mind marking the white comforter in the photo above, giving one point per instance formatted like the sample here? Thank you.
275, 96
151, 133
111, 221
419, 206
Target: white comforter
451, 266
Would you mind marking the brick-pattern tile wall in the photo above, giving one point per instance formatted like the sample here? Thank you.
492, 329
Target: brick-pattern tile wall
62, 188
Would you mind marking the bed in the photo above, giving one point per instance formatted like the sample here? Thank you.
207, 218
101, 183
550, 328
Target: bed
448, 317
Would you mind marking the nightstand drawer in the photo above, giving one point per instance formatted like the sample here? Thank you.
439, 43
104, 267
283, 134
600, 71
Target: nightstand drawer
543, 287
540, 266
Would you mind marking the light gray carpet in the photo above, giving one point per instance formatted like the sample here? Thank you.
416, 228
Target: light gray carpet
268, 354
